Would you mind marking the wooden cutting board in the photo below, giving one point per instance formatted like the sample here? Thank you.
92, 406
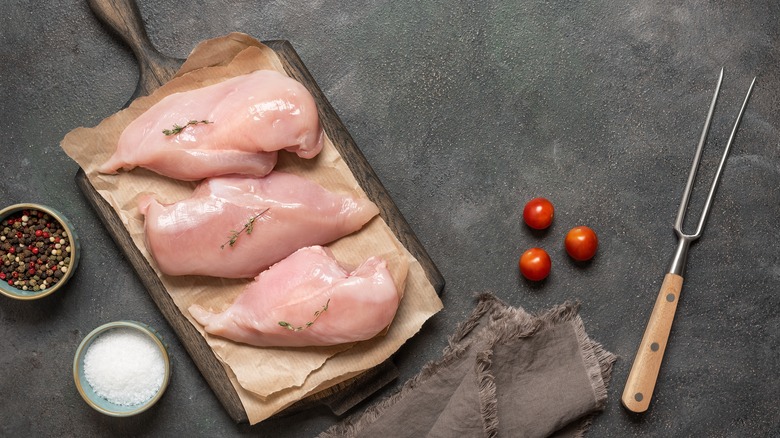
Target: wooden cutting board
123, 17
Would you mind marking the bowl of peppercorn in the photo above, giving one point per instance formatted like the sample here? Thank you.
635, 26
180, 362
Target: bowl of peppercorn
39, 251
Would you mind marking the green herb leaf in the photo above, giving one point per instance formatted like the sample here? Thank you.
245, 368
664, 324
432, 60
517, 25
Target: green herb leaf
177, 128
248, 227
317, 314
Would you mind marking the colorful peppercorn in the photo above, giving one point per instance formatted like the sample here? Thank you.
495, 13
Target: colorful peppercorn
35, 250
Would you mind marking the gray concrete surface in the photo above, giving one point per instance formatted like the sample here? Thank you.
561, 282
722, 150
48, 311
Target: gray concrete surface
466, 110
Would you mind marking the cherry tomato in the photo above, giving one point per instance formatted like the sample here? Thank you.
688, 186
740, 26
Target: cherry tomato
581, 243
535, 264
538, 213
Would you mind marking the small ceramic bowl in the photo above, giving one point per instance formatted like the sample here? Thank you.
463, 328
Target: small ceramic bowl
75, 252
101, 404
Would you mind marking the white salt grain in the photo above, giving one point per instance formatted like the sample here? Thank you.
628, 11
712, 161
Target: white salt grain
124, 367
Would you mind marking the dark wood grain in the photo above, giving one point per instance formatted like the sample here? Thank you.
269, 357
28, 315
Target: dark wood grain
123, 18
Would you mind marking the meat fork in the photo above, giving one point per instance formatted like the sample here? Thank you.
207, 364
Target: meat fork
644, 372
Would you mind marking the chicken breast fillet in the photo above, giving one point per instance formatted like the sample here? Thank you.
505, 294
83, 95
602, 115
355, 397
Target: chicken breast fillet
235, 227
308, 299
232, 127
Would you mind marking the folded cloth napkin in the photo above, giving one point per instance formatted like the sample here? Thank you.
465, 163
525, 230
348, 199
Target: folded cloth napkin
505, 373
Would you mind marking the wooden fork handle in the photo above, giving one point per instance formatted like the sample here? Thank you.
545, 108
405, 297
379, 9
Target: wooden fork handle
644, 372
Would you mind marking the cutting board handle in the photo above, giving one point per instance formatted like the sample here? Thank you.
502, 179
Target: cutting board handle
124, 19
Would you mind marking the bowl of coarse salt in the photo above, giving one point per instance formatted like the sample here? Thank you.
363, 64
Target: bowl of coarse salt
122, 368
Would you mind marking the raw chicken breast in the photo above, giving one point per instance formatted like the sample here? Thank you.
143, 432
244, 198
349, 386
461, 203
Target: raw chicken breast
308, 299
249, 117
235, 227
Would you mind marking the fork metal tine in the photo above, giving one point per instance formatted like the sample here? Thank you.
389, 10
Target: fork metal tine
678, 223
722, 164
681, 213
680, 256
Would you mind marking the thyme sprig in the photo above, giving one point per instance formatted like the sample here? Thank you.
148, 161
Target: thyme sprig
249, 226
177, 128
317, 314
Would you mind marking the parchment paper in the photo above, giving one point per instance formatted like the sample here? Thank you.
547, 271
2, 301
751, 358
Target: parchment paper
266, 379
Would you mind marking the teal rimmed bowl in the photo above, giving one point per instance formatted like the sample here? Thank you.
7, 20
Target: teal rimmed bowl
75, 252
101, 404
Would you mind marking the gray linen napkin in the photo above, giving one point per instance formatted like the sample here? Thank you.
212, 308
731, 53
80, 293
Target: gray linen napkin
505, 373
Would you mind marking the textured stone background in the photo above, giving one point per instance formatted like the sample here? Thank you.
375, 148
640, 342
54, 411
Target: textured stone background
466, 110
